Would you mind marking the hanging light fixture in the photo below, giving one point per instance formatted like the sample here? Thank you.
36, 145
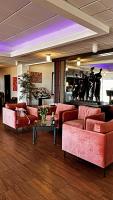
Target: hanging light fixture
78, 62
94, 48
48, 57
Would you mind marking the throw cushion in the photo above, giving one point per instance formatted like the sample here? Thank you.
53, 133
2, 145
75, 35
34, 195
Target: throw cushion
21, 112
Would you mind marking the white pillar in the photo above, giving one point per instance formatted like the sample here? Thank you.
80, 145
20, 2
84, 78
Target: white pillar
21, 68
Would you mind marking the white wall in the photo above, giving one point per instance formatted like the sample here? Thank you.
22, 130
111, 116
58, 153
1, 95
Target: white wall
8, 71
106, 84
46, 70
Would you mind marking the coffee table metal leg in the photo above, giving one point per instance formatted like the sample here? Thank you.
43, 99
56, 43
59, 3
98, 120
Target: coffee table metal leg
54, 135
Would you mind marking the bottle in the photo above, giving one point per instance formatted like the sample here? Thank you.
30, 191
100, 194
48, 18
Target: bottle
52, 119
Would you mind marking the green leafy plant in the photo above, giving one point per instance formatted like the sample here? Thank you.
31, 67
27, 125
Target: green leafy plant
26, 87
43, 111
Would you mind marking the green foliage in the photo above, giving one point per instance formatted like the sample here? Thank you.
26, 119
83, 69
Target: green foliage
26, 86
111, 102
43, 111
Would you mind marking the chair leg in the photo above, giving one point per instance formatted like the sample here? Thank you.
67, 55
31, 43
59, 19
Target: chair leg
64, 154
104, 172
17, 130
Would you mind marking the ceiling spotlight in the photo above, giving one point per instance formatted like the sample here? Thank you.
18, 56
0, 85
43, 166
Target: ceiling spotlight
94, 48
16, 62
78, 62
48, 57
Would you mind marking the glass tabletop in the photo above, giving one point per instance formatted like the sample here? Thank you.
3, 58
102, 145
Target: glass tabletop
45, 123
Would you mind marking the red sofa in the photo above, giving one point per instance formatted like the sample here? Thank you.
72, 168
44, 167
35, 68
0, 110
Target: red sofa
12, 119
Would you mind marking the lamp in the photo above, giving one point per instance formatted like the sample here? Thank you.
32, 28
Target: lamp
48, 57
94, 48
78, 62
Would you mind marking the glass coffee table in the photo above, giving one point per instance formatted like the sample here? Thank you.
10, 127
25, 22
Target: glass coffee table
46, 125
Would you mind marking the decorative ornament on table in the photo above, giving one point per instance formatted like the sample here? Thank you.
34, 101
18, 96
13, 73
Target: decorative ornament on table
52, 119
43, 112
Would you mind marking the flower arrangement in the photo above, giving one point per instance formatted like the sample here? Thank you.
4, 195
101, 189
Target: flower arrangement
43, 112
41, 92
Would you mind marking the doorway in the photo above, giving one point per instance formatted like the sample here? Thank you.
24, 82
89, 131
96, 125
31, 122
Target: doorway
7, 89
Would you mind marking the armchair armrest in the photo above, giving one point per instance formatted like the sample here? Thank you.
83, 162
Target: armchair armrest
99, 117
32, 111
9, 117
90, 123
69, 115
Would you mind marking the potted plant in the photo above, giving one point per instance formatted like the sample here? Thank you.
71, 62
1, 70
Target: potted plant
43, 112
26, 87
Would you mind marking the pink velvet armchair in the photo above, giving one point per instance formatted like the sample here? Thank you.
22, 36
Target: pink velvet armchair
58, 110
12, 119
93, 144
78, 117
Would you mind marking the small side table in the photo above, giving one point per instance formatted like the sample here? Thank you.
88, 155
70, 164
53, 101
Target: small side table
39, 125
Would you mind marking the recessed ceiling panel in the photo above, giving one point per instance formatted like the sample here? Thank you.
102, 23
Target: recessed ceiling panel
80, 3
52, 25
13, 5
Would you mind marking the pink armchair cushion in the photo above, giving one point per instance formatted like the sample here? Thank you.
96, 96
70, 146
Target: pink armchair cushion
103, 127
79, 123
85, 111
63, 107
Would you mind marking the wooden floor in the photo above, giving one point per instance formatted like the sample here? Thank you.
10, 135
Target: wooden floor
39, 172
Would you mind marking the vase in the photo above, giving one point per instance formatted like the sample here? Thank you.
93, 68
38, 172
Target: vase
43, 118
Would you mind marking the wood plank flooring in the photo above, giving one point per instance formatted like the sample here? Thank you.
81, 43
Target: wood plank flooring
39, 172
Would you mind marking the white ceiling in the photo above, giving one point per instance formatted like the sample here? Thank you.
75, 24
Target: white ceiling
22, 23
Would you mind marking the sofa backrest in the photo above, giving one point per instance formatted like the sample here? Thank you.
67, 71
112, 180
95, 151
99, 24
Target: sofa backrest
85, 111
63, 107
13, 106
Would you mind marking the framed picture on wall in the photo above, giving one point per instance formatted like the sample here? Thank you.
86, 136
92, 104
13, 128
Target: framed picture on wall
14, 83
36, 77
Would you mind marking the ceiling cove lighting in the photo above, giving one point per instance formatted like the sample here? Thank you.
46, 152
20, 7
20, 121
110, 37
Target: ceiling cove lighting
106, 54
48, 57
78, 62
